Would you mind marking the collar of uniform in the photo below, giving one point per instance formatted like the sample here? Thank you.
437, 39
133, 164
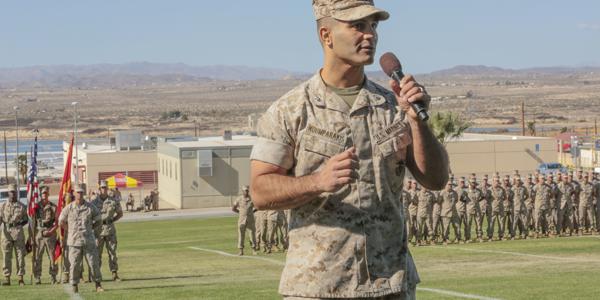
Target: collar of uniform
368, 95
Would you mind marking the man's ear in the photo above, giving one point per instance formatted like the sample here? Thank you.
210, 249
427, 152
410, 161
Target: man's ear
326, 37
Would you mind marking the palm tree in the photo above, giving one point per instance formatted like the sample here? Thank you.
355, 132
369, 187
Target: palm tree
447, 126
21, 163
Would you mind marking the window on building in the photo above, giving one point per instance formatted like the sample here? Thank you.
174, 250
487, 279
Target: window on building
205, 163
243, 152
222, 153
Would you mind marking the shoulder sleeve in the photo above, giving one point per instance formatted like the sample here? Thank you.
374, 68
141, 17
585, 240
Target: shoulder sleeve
119, 207
275, 144
64, 214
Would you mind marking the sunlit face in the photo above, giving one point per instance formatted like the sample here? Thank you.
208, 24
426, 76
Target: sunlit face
448, 186
355, 42
12, 196
78, 196
45, 197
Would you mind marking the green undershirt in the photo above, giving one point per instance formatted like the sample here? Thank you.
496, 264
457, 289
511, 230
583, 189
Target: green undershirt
349, 94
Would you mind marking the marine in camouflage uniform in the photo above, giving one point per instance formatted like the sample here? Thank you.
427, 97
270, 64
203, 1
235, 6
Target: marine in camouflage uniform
596, 182
461, 207
406, 202
271, 230
575, 181
543, 195
45, 237
13, 217
245, 208
473, 196
586, 198
565, 212
80, 219
519, 208
508, 206
281, 231
497, 209
449, 214
530, 185
424, 215
552, 210
347, 234
436, 216
260, 217
413, 200
111, 211
485, 204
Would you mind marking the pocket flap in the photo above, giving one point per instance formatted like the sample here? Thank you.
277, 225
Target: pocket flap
321, 146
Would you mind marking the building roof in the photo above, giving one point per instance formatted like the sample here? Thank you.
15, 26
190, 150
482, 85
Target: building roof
480, 137
100, 148
246, 140
215, 142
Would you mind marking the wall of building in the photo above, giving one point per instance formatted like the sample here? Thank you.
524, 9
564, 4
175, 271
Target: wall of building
231, 170
169, 177
505, 156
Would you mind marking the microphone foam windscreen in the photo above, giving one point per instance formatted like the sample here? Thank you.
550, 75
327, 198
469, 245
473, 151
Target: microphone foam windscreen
389, 63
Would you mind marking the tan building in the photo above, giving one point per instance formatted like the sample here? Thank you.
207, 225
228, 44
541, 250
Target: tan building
208, 172
487, 154
203, 172
128, 155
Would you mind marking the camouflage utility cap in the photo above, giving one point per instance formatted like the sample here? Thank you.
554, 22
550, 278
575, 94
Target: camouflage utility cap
347, 10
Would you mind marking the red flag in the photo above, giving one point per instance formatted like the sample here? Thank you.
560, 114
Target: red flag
65, 189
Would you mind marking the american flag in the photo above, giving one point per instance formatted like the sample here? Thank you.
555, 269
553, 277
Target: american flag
33, 189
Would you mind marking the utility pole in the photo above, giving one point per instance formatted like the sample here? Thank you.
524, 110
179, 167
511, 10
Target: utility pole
523, 117
5, 159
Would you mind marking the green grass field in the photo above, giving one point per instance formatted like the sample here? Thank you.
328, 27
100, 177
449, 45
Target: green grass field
158, 261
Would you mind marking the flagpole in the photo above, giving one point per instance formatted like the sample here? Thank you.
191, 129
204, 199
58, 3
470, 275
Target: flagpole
75, 103
5, 159
16, 108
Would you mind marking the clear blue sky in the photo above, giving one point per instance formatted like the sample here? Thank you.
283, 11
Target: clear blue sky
427, 35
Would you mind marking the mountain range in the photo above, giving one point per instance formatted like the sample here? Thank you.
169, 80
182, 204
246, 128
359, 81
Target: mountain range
146, 73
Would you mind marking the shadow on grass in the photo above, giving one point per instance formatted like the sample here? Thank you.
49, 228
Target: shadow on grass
134, 288
161, 278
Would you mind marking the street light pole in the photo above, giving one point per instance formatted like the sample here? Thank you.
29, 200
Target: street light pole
16, 109
75, 103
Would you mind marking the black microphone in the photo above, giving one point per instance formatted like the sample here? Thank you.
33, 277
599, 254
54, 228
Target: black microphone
392, 67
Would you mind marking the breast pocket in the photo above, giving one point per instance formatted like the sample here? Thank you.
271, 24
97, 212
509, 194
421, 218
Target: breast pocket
393, 156
314, 152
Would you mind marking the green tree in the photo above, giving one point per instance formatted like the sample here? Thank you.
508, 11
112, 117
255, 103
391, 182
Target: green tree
531, 128
21, 163
447, 126
563, 130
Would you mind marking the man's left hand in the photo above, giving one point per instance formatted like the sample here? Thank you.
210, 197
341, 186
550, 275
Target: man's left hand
407, 92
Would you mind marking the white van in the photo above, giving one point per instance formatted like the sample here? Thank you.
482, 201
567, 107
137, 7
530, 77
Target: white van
23, 194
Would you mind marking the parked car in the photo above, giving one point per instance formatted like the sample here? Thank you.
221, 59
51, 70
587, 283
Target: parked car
23, 194
548, 168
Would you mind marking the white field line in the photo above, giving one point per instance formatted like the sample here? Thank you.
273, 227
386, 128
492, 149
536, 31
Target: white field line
273, 261
455, 294
69, 290
280, 263
575, 259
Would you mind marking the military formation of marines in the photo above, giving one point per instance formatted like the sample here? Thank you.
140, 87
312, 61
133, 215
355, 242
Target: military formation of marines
88, 229
543, 206
268, 228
